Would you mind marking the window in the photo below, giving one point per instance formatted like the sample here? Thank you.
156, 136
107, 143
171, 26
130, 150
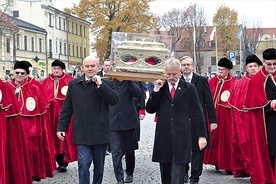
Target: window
64, 24
213, 60
64, 46
77, 50
8, 46
25, 43
18, 41
32, 44
77, 29
68, 27
84, 52
60, 47
69, 50
59, 22
72, 27
84, 32
73, 49
80, 30
50, 46
50, 20
40, 45
81, 52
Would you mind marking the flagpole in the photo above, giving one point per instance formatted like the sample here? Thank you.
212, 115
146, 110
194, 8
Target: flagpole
216, 42
194, 34
240, 56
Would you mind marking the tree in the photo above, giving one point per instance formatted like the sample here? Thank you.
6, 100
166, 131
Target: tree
109, 16
187, 25
226, 21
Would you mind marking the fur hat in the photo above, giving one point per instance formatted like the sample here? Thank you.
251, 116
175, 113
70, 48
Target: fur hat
253, 59
269, 54
22, 65
224, 62
57, 62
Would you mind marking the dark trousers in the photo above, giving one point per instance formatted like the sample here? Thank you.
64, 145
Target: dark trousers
121, 143
60, 160
172, 173
196, 165
87, 154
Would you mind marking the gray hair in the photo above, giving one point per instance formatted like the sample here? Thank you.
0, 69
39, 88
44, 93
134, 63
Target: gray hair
187, 57
172, 63
91, 58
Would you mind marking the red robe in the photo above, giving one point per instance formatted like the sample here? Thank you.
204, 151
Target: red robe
35, 125
240, 128
17, 162
220, 152
260, 165
3, 107
56, 99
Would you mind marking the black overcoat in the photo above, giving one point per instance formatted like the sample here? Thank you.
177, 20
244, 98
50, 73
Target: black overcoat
89, 106
173, 127
207, 103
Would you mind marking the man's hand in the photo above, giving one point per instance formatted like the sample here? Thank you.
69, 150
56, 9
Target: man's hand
213, 126
97, 79
157, 85
202, 142
61, 135
141, 116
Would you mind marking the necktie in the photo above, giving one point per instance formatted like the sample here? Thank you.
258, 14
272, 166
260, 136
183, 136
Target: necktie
187, 79
172, 91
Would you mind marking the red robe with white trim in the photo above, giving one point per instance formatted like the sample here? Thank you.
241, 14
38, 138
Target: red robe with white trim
220, 152
240, 131
36, 128
257, 101
56, 96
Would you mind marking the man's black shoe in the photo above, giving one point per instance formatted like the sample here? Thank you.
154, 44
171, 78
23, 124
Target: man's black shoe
61, 168
120, 182
186, 178
35, 178
192, 181
129, 179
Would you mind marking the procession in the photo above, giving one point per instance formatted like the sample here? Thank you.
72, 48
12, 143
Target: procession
223, 121
119, 92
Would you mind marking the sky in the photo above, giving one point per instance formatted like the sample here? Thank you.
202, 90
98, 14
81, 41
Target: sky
249, 11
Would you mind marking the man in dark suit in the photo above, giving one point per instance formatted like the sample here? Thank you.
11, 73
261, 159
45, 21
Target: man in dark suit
88, 102
124, 120
207, 103
105, 68
177, 106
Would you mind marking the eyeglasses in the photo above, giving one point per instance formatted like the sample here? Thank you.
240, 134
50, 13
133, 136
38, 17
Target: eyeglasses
270, 64
22, 73
186, 64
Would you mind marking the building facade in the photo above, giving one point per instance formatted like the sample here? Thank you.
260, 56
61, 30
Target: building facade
67, 37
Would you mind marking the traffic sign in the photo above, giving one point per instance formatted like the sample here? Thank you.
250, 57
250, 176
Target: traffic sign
232, 56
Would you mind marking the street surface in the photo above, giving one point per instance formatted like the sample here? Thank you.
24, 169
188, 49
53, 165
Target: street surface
146, 171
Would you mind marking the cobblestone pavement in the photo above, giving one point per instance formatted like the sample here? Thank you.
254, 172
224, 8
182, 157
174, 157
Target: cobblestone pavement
146, 171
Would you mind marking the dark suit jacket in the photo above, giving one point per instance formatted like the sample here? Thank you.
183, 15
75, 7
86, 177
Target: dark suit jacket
89, 107
173, 128
123, 115
207, 103
100, 73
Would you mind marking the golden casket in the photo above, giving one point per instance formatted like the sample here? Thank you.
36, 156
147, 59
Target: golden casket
140, 55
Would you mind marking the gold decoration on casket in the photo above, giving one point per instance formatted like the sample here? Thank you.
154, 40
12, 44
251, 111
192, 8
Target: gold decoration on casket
143, 77
139, 57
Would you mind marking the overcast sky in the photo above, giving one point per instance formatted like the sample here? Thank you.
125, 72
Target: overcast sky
263, 11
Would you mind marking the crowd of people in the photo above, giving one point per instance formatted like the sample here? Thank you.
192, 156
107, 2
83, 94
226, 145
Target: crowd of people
221, 121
